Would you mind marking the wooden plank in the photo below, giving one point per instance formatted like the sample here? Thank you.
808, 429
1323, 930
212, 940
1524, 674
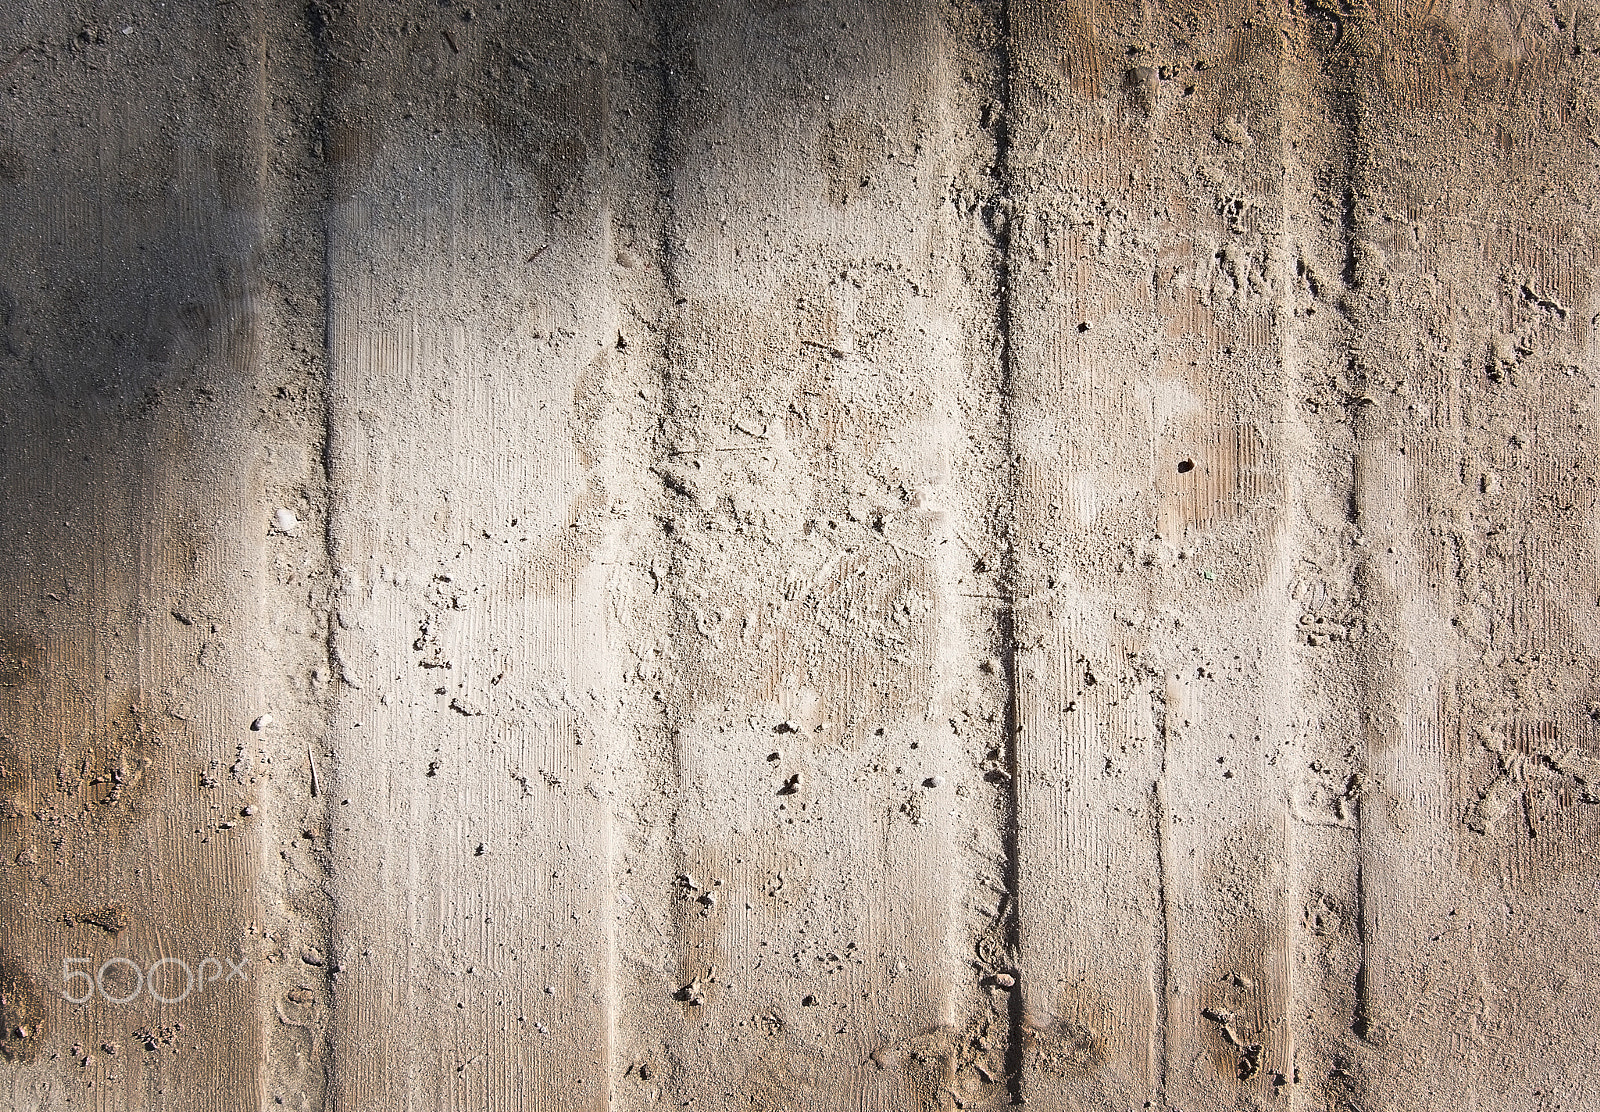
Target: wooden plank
475, 335
1150, 364
131, 560
828, 846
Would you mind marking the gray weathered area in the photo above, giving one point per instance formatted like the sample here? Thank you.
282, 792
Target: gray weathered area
799, 554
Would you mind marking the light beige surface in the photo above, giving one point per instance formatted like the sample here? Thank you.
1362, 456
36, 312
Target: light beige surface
799, 555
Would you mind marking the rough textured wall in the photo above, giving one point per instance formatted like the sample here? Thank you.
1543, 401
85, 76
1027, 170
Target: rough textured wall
782, 554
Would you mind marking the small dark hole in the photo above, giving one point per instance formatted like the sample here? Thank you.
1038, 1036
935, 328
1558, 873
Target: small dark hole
1185, 466
1083, 326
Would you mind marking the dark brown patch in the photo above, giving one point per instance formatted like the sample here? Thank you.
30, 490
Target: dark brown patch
1438, 44
21, 1013
1064, 1048
851, 148
13, 164
112, 918
19, 660
1062, 51
1235, 1003
109, 775
927, 1062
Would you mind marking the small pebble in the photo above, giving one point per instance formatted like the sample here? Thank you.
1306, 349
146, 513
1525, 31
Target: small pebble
284, 521
933, 782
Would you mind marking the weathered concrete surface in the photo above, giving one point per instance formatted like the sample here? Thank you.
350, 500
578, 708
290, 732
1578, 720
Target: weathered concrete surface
1152, 383
135, 557
473, 327
799, 554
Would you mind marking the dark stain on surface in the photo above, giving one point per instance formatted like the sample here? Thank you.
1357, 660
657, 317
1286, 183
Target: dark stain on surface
21, 1013
112, 918
1064, 1048
927, 1063
19, 660
110, 772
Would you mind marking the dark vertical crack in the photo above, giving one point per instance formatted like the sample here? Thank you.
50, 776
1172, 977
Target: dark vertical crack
1361, 1019
1002, 205
1162, 941
316, 18
670, 90
672, 52
1337, 37
317, 27
1017, 1000
316, 199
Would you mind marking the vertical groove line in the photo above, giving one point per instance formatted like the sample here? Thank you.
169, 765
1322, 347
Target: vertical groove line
316, 28
1288, 369
1160, 1038
668, 28
1012, 840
